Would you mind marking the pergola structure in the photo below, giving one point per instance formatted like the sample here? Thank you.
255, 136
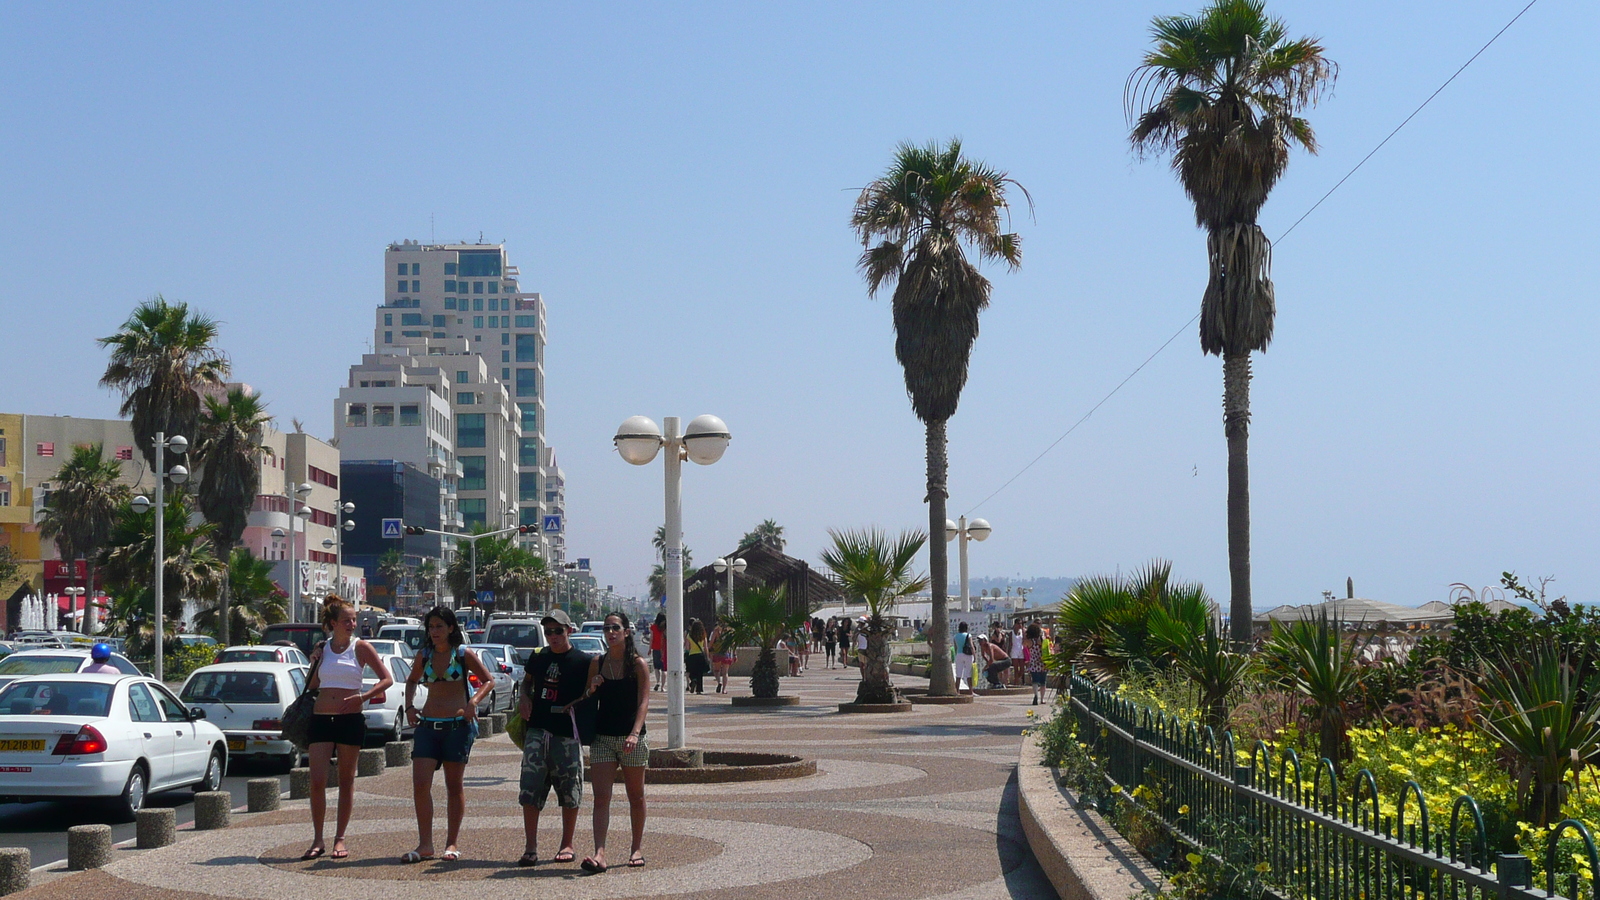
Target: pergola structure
806, 588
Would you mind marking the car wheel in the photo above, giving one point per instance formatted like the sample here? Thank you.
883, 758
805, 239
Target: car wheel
133, 793
213, 778
491, 705
288, 761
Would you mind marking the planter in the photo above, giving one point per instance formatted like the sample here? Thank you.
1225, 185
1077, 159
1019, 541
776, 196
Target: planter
874, 707
940, 701
727, 766
766, 702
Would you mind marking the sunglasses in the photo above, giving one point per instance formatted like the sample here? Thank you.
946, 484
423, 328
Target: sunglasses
555, 629
613, 627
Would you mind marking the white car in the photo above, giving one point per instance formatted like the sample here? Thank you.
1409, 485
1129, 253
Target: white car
116, 738
261, 653
391, 647
592, 644
246, 700
59, 661
384, 717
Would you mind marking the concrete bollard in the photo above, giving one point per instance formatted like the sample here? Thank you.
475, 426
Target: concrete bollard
88, 846
156, 828
299, 783
486, 727
15, 865
371, 762
397, 754
212, 810
265, 794
499, 720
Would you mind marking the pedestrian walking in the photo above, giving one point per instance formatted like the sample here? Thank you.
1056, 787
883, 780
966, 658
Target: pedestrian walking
696, 662
617, 685
963, 648
722, 655
446, 727
552, 755
338, 722
1033, 658
658, 650
830, 640
1017, 647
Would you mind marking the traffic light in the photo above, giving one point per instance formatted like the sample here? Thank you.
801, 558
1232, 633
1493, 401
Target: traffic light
527, 529
416, 529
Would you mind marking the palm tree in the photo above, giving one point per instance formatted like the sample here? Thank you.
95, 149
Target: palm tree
769, 533
83, 507
393, 569
159, 359
523, 574
930, 201
254, 599
192, 569
228, 448
427, 575
877, 570
763, 618
1221, 92
1105, 622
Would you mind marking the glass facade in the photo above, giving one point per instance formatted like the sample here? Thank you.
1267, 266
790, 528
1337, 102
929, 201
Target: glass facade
410, 414
476, 474
528, 487
527, 348
470, 433
478, 264
527, 451
473, 513
530, 416
527, 382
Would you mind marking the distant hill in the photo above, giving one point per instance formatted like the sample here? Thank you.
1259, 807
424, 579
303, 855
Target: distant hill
1042, 591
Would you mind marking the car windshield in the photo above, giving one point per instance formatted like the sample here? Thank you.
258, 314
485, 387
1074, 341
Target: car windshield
248, 656
588, 643
56, 698
517, 634
31, 664
232, 687
489, 652
388, 648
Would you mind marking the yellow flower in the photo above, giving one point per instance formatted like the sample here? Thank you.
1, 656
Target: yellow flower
1183, 810
1263, 867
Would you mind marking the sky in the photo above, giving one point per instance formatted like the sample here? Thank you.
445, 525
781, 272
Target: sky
677, 179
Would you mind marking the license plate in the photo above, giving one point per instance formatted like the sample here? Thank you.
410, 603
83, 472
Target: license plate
15, 745
16, 768
236, 744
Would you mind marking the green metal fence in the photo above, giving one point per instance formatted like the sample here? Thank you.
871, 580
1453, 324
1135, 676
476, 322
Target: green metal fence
1302, 837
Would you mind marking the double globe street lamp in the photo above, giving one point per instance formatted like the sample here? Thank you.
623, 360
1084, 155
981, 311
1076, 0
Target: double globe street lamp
336, 543
179, 445
730, 566
977, 530
703, 443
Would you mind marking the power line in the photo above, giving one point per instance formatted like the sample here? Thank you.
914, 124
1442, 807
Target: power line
1280, 237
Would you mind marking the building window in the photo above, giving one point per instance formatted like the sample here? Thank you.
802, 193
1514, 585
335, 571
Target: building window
461, 377
355, 415
505, 374
5, 492
528, 348
477, 321
449, 303
480, 263
416, 287
412, 334
438, 321
528, 487
45, 448
477, 287
388, 337
527, 321
494, 287
527, 451
410, 414
477, 304
383, 414
466, 398
505, 356
449, 268
470, 431
530, 416
527, 382
416, 269
505, 338
400, 287
402, 269
3, 451
474, 473
449, 286
494, 321
473, 512
410, 319
324, 478
388, 318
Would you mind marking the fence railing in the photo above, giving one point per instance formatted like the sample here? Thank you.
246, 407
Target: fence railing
1299, 834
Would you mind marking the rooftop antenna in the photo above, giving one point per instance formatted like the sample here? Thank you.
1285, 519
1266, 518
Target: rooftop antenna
430, 229
480, 237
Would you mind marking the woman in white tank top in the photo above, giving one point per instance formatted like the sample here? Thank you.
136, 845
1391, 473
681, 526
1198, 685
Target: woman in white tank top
338, 719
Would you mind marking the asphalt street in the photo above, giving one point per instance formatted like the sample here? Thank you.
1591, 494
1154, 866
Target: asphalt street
42, 827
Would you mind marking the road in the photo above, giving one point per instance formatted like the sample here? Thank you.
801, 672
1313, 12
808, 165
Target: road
42, 827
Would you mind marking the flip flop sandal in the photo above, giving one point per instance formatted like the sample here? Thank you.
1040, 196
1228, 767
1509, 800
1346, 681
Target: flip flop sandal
527, 860
339, 854
564, 856
413, 856
593, 868
451, 855
314, 853
636, 861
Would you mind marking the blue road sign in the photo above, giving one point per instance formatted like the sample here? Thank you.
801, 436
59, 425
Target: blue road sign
486, 598
552, 524
393, 528
583, 564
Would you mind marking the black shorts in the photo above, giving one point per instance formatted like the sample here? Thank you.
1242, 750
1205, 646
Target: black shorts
346, 728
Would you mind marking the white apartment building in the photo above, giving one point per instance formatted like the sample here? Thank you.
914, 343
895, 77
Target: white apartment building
396, 406
555, 504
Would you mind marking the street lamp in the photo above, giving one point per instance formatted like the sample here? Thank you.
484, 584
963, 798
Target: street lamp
978, 530
638, 441
724, 565
179, 445
75, 592
303, 513
346, 508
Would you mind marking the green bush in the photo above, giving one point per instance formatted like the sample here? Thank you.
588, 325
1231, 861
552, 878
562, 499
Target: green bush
179, 663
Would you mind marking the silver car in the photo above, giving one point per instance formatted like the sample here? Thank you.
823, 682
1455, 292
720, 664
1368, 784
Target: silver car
499, 659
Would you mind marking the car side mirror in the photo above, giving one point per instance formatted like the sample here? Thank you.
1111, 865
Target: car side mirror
196, 713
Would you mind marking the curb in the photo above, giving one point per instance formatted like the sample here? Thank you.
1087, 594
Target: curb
1083, 856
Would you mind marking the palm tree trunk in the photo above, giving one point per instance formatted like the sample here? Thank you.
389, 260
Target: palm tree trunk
224, 625
1236, 425
875, 686
941, 683
764, 674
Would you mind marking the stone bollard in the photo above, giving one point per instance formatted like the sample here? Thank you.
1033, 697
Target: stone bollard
265, 794
156, 828
15, 865
370, 762
299, 783
397, 754
499, 720
212, 809
88, 846
486, 727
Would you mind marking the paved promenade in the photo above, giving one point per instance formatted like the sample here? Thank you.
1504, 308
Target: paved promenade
904, 806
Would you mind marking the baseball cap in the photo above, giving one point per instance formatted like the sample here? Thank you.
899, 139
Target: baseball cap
557, 616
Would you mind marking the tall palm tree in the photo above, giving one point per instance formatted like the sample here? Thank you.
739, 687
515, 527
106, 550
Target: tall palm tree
83, 507
191, 570
927, 208
769, 533
393, 569
872, 567
1221, 91
228, 448
159, 359
427, 575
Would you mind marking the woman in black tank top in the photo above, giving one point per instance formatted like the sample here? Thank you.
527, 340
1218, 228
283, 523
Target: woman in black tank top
619, 682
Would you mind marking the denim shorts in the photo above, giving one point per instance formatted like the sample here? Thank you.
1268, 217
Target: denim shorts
444, 740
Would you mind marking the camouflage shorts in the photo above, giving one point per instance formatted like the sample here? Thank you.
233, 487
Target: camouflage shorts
551, 761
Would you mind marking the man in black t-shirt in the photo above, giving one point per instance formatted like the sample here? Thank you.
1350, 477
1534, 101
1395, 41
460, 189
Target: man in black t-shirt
552, 756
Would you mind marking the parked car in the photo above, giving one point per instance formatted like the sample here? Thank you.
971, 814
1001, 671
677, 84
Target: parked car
593, 627
390, 647
261, 653
384, 717
522, 632
246, 700
112, 738
504, 694
507, 654
304, 635
592, 644
58, 661
196, 640
413, 636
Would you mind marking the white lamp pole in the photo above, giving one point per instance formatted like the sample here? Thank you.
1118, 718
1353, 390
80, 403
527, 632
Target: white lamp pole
703, 442
179, 445
296, 496
979, 530
724, 565
345, 509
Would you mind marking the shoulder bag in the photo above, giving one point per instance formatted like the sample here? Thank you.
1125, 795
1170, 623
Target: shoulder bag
297, 718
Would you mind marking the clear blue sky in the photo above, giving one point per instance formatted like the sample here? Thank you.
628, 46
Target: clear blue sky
676, 179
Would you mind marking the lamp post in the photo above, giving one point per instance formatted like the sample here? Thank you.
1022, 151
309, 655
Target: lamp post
296, 496
730, 566
179, 445
75, 592
346, 508
977, 530
638, 441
